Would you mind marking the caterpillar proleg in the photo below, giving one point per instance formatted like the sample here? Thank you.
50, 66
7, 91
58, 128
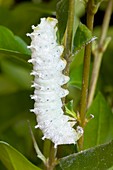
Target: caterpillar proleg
48, 80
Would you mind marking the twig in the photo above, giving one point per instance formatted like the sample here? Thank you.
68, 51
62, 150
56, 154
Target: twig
91, 10
69, 36
99, 51
52, 161
39, 153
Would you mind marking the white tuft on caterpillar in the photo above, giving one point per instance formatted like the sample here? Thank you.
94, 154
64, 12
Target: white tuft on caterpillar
48, 79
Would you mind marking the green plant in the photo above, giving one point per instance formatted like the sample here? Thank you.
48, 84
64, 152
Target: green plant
88, 51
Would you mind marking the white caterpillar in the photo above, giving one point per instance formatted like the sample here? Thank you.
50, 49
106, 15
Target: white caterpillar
48, 79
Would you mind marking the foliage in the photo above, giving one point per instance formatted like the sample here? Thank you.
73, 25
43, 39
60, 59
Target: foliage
99, 157
13, 159
15, 81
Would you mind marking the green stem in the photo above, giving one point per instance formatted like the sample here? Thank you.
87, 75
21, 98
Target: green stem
69, 36
98, 53
52, 161
86, 68
68, 39
39, 153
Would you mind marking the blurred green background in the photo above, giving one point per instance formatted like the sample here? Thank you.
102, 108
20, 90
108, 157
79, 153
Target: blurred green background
15, 79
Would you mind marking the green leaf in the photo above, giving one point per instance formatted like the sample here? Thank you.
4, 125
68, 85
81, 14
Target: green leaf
17, 73
76, 76
30, 15
97, 158
13, 160
11, 44
69, 109
100, 129
62, 15
82, 37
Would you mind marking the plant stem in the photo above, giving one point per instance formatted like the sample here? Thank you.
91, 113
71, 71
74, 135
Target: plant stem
98, 53
39, 153
69, 36
68, 39
52, 161
91, 10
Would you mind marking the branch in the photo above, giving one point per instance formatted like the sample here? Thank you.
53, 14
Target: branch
52, 161
91, 10
69, 36
99, 51
39, 153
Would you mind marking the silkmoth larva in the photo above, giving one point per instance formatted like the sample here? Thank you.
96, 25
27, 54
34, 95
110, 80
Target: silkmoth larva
48, 80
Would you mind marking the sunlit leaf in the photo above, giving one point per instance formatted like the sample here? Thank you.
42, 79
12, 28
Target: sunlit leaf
69, 109
82, 37
14, 160
11, 44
